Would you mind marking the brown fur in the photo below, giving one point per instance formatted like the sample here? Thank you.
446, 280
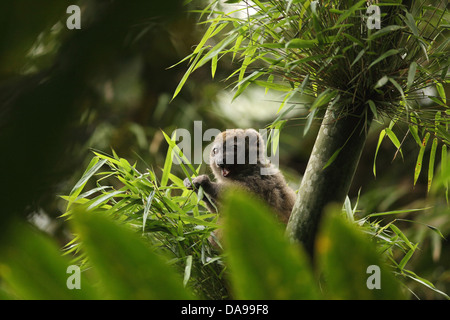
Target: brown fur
233, 172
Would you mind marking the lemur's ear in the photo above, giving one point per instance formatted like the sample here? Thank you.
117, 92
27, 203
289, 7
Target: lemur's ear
258, 142
252, 132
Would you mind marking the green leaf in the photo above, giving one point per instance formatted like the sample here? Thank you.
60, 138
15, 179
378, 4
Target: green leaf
431, 164
346, 13
323, 99
400, 90
359, 56
384, 56
168, 161
411, 74
188, 219
271, 85
380, 139
92, 168
373, 108
344, 255
213, 66
402, 236
394, 140
218, 48
264, 265
174, 150
411, 23
441, 92
407, 257
32, 267
187, 73
96, 202
348, 209
309, 121
126, 266
187, 270
249, 58
353, 39
424, 282
301, 43
419, 161
208, 34
381, 82
415, 133
383, 31
147, 207
378, 214
332, 158
445, 177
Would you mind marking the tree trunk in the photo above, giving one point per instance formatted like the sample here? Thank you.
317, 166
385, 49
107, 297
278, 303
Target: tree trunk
319, 186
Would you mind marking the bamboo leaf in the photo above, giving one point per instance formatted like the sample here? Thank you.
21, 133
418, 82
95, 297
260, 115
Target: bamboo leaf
176, 151
400, 90
187, 270
394, 140
407, 257
383, 31
402, 236
350, 11
323, 99
187, 73
213, 66
381, 82
359, 56
247, 61
92, 168
411, 74
147, 207
431, 164
419, 161
104, 198
332, 158
384, 56
271, 85
218, 48
441, 92
378, 214
301, 43
309, 121
424, 282
444, 169
411, 23
168, 162
373, 108
380, 139
415, 133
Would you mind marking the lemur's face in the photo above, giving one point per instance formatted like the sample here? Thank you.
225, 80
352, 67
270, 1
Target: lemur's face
237, 152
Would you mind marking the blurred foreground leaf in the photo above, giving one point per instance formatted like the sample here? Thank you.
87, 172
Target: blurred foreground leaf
32, 267
264, 265
345, 255
126, 266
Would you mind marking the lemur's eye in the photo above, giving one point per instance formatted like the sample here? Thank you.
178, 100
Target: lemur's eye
214, 150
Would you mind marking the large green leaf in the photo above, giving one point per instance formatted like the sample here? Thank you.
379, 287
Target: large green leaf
32, 267
264, 265
126, 266
345, 256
